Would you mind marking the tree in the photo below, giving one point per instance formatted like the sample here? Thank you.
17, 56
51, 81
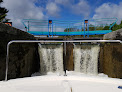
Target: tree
71, 29
3, 14
120, 24
106, 28
115, 27
91, 27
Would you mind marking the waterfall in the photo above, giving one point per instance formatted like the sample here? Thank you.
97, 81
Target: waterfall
86, 58
51, 58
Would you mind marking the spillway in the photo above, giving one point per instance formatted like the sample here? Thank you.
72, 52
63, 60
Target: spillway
51, 58
86, 58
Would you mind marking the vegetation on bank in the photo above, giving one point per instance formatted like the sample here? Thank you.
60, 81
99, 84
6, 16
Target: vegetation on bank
117, 26
3, 13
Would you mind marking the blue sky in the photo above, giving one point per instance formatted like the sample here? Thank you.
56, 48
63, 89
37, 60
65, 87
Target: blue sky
66, 11
61, 9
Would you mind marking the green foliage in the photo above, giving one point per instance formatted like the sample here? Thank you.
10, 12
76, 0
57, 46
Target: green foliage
95, 35
3, 14
71, 29
120, 24
99, 28
117, 26
91, 27
106, 28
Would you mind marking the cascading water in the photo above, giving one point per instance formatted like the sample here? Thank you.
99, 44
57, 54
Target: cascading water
86, 58
51, 58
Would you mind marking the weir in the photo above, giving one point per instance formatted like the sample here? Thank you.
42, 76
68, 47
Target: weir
86, 58
51, 58
89, 61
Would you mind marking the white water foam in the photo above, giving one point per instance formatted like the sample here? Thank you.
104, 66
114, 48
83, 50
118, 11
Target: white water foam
86, 58
51, 58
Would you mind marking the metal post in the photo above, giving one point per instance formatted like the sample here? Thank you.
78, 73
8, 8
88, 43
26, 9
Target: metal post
26, 29
81, 27
55, 29
28, 26
67, 29
7, 60
48, 29
84, 28
65, 58
52, 28
95, 25
88, 29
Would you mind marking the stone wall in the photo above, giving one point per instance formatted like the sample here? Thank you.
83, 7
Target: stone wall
115, 35
111, 60
24, 58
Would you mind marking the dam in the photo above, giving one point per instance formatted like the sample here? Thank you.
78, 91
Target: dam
85, 57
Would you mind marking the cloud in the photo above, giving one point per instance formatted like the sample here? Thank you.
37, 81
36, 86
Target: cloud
64, 2
108, 10
43, 9
22, 9
52, 9
80, 8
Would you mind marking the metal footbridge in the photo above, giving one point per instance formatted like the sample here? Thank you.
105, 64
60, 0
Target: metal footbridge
69, 28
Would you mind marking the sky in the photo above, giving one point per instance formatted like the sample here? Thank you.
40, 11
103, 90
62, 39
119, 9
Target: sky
61, 10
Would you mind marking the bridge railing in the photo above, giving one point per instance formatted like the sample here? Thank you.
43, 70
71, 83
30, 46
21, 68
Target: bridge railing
68, 28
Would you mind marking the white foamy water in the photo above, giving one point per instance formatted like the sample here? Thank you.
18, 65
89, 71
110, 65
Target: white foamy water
86, 58
51, 58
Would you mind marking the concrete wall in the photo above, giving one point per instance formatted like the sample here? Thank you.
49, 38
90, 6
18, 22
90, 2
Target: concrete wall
23, 57
110, 61
68, 58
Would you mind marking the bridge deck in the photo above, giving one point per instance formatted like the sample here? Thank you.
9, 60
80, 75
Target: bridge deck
98, 32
